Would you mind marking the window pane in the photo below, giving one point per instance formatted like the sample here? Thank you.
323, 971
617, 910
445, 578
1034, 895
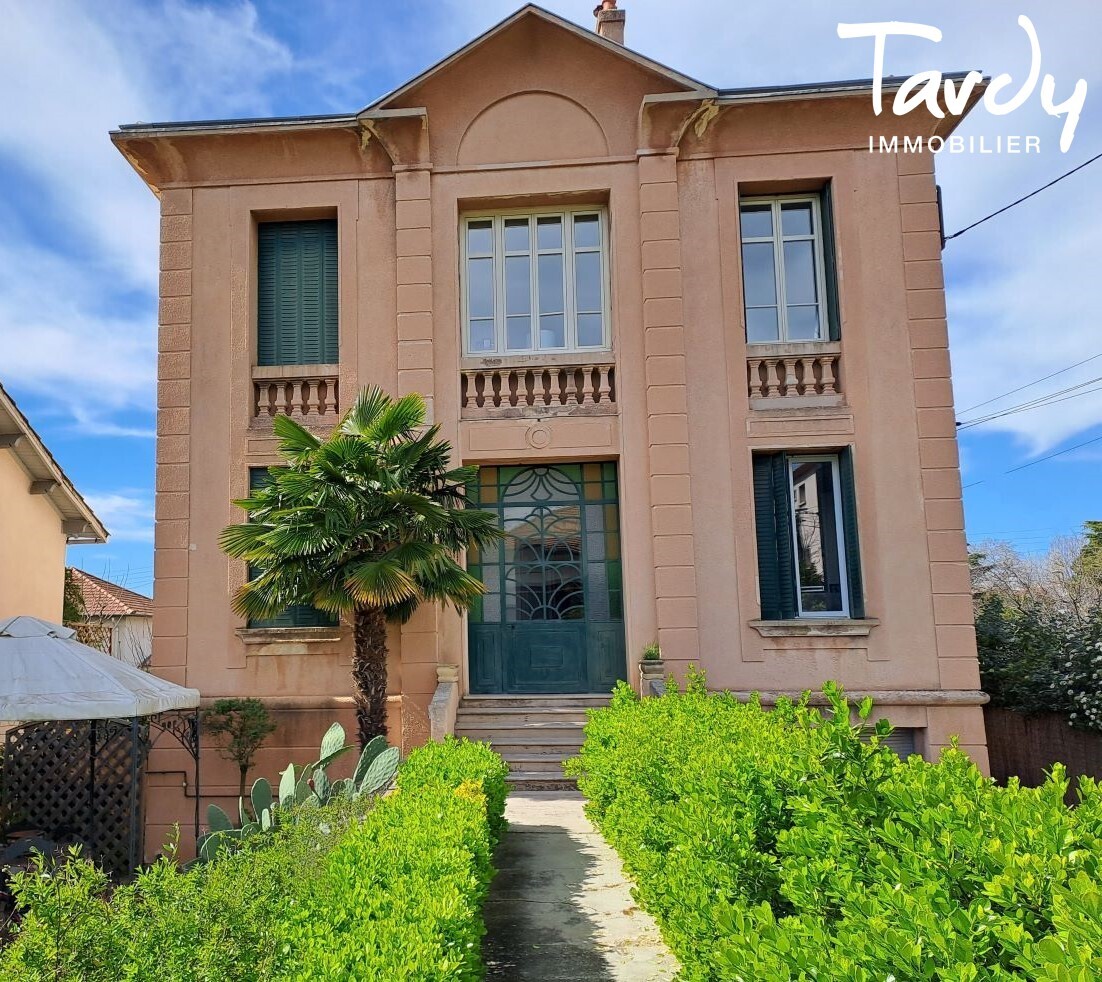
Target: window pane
516, 235
518, 333
549, 233
591, 330
757, 221
482, 336
518, 285
799, 273
587, 232
587, 267
761, 324
758, 274
796, 219
803, 323
818, 561
550, 277
480, 238
480, 287
552, 331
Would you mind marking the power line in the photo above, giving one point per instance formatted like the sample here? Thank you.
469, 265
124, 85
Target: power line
1059, 453
1040, 403
1029, 385
1031, 194
1041, 460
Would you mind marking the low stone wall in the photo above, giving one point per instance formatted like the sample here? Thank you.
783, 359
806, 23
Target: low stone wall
1027, 746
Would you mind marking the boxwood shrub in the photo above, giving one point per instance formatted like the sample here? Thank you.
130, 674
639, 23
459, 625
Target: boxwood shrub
779, 845
395, 893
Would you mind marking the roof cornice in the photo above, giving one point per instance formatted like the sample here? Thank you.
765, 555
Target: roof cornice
78, 522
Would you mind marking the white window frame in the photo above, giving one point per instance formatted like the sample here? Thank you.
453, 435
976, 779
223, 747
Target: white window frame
843, 559
777, 240
569, 252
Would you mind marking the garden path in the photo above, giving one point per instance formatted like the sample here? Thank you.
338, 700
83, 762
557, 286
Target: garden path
560, 906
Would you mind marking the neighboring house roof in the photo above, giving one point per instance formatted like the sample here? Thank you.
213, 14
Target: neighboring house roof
693, 86
102, 598
78, 521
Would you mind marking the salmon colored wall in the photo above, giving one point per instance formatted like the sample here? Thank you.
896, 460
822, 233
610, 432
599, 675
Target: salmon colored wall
538, 116
32, 548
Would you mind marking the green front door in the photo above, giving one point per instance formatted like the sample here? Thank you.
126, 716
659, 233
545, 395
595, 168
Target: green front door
552, 618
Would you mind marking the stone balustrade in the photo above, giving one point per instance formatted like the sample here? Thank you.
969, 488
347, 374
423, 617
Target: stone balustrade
794, 371
491, 392
308, 392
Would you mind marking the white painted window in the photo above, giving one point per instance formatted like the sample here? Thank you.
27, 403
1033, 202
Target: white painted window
535, 282
783, 277
819, 548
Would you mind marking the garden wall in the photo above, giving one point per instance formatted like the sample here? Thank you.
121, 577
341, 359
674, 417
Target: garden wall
1026, 746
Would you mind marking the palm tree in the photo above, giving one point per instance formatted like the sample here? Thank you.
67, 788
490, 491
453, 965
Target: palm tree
366, 524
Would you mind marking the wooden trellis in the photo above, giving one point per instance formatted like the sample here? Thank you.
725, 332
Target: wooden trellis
80, 779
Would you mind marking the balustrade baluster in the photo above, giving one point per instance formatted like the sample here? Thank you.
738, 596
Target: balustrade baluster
829, 382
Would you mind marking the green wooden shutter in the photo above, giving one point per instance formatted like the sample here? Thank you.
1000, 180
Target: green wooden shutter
299, 615
830, 266
297, 293
773, 520
849, 534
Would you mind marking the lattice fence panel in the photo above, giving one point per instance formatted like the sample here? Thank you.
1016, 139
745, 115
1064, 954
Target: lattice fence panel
52, 784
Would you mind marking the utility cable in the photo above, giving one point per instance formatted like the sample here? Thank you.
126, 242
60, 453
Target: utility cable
1029, 385
1031, 194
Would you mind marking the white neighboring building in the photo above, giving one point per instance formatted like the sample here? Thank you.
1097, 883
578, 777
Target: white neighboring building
116, 621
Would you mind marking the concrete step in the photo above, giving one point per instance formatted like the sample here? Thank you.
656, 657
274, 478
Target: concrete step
474, 716
540, 781
534, 702
545, 763
533, 732
531, 742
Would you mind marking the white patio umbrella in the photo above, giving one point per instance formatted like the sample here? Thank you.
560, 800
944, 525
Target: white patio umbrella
46, 674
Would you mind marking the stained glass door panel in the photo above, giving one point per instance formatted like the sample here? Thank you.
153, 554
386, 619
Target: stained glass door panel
552, 617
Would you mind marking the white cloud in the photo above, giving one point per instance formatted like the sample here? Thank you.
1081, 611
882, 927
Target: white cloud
127, 513
77, 297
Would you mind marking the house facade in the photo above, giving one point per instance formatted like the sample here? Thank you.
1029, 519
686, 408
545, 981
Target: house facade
113, 619
694, 337
41, 513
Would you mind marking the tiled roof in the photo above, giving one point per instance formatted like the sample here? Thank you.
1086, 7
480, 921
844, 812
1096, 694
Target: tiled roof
105, 599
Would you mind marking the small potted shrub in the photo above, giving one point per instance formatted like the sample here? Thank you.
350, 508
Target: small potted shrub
651, 666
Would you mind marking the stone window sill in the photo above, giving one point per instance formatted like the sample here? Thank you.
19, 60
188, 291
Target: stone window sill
298, 635
811, 627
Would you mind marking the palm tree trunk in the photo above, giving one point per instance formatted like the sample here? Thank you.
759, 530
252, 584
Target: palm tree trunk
369, 672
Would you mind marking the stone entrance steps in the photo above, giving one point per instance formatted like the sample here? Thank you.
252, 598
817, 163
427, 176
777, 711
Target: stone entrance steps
534, 734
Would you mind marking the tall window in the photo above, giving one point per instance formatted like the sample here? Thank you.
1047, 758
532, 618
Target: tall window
535, 282
298, 615
297, 293
785, 249
808, 556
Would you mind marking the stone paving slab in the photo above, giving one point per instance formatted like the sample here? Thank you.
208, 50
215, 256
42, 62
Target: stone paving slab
560, 906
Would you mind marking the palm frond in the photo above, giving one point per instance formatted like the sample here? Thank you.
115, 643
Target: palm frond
295, 441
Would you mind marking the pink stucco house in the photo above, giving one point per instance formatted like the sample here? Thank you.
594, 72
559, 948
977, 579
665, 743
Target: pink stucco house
695, 337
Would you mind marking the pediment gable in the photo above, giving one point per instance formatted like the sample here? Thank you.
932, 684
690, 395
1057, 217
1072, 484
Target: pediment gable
534, 88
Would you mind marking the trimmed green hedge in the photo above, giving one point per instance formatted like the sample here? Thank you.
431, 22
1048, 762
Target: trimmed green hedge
395, 893
778, 845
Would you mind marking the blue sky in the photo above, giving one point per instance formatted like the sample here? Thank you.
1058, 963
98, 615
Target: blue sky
78, 230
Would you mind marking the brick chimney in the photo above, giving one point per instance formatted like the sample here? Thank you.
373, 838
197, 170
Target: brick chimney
610, 21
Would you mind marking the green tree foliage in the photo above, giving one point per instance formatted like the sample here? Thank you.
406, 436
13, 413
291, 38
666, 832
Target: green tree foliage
73, 609
790, 845
1039, 628
241, 726
366, 524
